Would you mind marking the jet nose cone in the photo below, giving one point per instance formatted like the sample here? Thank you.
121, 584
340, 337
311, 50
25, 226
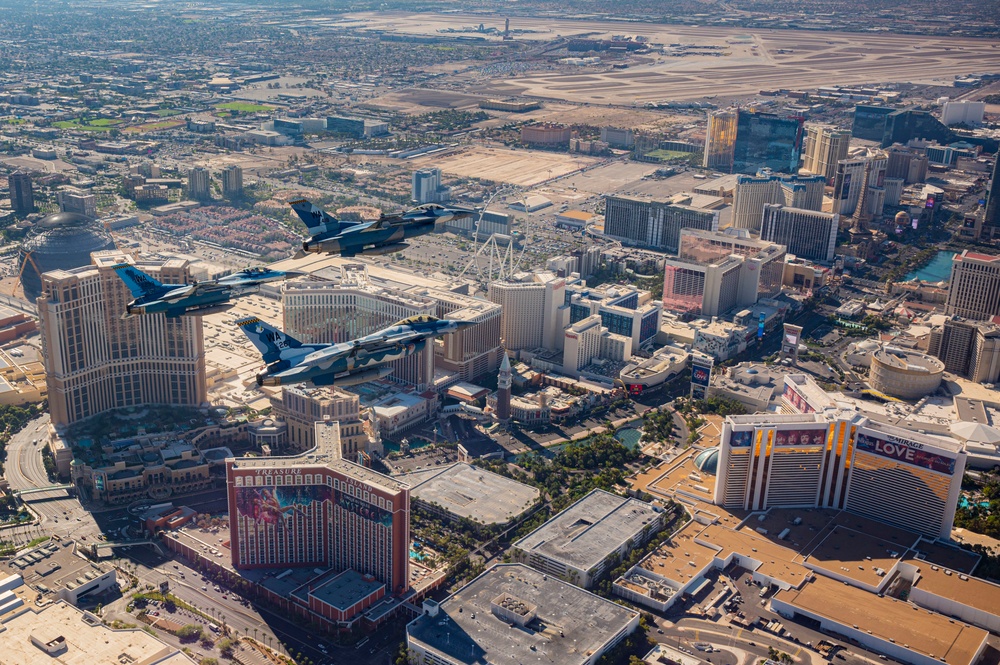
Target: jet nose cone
462, 325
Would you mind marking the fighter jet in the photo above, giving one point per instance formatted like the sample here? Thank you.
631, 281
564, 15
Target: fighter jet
289, 361
383, 236
152, 296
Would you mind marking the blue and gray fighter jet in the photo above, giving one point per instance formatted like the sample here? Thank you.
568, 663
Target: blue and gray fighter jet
382, 236
152, 296
289, 361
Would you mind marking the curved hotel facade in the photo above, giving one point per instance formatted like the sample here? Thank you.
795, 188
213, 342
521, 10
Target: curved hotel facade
817, 454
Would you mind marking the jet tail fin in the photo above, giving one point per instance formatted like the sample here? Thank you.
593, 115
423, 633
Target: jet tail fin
138, 282
266, 338
317, 220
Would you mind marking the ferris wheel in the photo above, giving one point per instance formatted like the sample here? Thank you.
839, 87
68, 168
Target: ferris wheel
495, 256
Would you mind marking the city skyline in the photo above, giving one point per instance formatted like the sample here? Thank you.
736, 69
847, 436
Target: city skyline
436, 335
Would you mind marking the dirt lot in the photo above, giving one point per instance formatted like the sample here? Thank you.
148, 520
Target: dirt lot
518, 167
416, 101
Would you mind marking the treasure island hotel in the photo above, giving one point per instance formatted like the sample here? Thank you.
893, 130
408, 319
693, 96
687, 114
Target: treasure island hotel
318, 510
819, 453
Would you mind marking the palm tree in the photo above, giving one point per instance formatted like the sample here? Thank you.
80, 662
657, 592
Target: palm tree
255, 633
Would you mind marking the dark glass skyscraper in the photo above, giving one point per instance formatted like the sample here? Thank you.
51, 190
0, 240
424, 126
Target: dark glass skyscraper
991, 220
765, 140
22, 197
889, 125
869, 122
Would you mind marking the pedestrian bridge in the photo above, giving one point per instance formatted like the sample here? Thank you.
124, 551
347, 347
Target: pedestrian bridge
35, 490
106, 545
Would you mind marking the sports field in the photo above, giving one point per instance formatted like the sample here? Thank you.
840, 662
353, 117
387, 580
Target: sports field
154, 126
96, 125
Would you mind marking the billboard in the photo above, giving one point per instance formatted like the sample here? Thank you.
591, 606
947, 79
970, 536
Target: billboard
760, 325
741, 439
800, 437
363, 509
272, 505
790, 341
845, 188
903, 450
797, 400
701, 376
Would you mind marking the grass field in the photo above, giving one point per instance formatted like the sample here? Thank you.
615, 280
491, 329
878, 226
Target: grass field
154, 126
166, 113
98, 125
243, 107
667, 155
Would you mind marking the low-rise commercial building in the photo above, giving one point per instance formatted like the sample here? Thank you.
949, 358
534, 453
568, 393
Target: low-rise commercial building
665, 363
464, 492
904, 374
885, 625
57, 572
61, 633
517, 614
143, 468
579, 544
399, 412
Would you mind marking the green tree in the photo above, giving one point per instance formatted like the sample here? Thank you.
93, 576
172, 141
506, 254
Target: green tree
225, 646
189, 633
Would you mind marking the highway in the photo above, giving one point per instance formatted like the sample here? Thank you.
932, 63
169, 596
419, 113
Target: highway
63, 515
58, 512
18, 304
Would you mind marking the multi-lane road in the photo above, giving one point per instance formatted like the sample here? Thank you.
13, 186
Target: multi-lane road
63, 515
58, 512
273, 629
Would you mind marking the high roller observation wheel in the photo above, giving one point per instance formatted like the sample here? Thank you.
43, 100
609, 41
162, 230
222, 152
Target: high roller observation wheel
491, 261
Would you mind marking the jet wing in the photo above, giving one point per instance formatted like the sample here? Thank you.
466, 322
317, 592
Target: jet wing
360, 228
182, 292
369, 343
240, 280
325, 356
